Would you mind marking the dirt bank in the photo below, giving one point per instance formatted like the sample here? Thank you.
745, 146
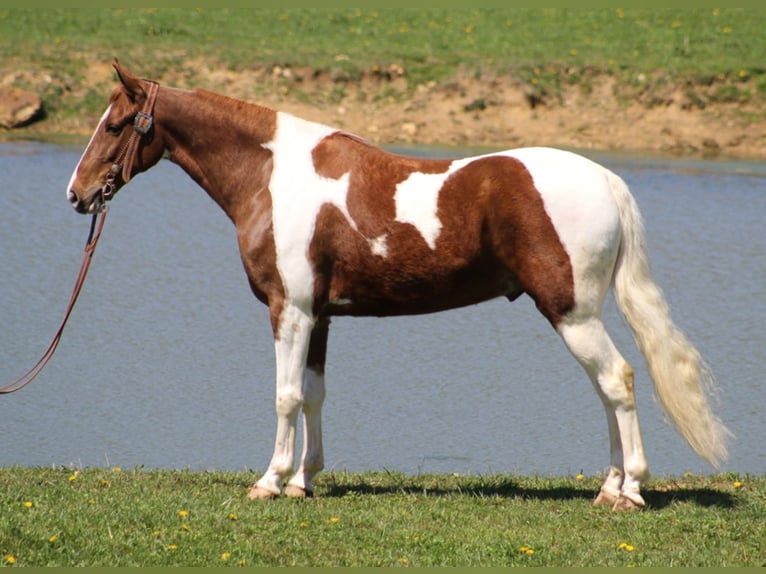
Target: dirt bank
471, 111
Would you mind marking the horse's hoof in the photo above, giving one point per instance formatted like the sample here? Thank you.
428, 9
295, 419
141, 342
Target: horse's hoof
605, 499
260, 493
625, 504
297, 492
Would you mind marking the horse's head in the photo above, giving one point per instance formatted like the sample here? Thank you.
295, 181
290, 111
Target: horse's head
124, 144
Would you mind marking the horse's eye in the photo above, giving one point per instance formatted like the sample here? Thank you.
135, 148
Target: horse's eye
113, 129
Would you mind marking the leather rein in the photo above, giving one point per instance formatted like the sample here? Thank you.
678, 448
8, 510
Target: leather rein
142, 124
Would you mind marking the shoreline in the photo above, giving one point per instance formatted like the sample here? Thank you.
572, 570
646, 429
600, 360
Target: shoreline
496, 112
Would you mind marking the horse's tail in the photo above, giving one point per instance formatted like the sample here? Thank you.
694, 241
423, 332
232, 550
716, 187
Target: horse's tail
681, 379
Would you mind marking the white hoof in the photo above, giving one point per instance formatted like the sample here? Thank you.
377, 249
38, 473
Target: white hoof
605, 498
625, 504
260, 493
297, 492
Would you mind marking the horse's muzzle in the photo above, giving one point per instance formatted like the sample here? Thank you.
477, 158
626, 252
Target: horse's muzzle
94, 204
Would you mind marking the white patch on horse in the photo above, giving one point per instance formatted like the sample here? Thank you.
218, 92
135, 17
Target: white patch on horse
87, 149
417, 200
379, 246
297, 195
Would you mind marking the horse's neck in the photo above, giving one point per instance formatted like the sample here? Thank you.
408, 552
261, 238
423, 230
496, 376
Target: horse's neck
217, 141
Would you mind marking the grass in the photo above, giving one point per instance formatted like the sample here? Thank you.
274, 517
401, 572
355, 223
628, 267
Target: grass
93, 517
644, 49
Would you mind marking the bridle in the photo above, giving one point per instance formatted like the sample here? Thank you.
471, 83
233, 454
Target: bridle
142, 124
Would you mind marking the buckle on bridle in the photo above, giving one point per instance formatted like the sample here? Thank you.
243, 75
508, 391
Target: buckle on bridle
143, 123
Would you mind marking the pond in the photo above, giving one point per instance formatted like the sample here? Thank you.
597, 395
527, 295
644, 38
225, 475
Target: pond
167, 360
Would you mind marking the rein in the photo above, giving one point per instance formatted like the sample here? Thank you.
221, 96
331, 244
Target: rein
96, 225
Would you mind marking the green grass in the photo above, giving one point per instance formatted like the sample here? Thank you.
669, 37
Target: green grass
96, 517
644, 49
678, 40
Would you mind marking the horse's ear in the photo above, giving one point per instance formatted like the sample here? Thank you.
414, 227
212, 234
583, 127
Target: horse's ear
132, 83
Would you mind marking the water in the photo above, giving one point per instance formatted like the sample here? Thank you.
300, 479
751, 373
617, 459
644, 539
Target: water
167, 360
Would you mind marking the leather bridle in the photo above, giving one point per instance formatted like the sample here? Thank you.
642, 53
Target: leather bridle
142, 125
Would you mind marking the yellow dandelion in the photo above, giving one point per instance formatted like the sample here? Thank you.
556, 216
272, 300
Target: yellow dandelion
172, 547
716, 11
116, 469
580, 476
183, 513
72, 477
626, 547
737, 484
104, 482
157, 533
225, 556
726, 30
28, 504
620, 13
528, 550
333, 520
233, 516
52, 539
10, 559
573, 52
403, 560
303, 524
742, 74
241, 562
185, 527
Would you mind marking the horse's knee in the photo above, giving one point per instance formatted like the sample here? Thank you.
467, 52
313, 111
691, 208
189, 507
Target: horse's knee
289, 402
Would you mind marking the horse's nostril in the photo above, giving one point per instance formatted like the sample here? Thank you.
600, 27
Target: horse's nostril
75, 201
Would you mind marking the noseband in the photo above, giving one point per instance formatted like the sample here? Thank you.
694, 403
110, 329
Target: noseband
142, 124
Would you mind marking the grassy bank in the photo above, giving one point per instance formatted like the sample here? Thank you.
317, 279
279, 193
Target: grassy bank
137, 517
713, 55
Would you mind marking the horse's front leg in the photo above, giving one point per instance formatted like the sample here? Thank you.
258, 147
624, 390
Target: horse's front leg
312, 459
291, 345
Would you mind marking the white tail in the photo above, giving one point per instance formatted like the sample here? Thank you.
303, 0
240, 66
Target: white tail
681, 379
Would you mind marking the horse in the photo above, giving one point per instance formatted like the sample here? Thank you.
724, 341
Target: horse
330, 225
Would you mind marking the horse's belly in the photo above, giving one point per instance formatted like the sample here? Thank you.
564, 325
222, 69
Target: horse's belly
390, 295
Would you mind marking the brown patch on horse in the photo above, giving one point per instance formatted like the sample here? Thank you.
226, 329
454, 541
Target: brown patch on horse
317, 354
234, 133
255, 235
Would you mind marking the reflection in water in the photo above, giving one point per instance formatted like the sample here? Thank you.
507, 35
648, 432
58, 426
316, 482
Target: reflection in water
168, 360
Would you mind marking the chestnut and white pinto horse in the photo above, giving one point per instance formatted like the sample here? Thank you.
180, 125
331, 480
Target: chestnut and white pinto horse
330, 225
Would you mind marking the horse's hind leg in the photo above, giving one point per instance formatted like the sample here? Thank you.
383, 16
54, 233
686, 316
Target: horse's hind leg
612, 377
